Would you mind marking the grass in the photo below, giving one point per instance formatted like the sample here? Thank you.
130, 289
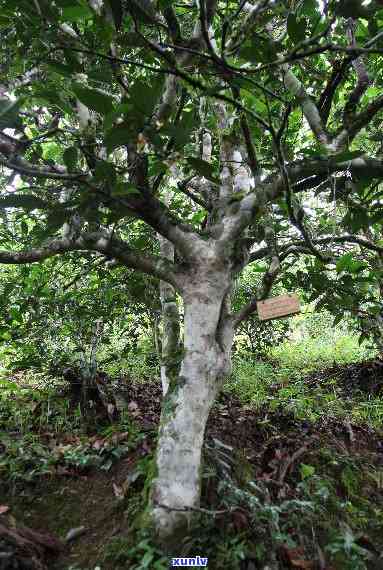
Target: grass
319, 353
280, 382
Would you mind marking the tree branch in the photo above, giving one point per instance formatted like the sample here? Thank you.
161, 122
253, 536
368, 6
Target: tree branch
309, 108
172, 22
327, 96
101, 243
274, 186
363, 80
22, 166
296, 246
268, 279
359, 122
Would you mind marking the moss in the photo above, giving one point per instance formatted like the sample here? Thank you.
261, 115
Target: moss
176, 382
243, 469
143, 519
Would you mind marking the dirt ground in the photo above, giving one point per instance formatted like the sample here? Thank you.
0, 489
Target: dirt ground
273, 444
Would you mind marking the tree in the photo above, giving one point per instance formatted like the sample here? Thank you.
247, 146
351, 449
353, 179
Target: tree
209, 124
75, 314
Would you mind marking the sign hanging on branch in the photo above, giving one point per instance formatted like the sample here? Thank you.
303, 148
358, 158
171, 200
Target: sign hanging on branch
278, 307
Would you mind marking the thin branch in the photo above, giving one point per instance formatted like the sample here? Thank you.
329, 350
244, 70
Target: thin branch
364, 243
251, 153
193, 509
183, 187
23, 167
359, 122
327, 96
290, 462
172, 22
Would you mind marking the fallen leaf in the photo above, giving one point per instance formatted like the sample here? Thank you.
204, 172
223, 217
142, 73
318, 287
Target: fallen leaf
145, 448
118, 491
60, 470
132, 406
117, 437
98, 444
74, 533
240, 521
295, 558
305, 564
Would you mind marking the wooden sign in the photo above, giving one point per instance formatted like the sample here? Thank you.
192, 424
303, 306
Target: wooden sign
277, 307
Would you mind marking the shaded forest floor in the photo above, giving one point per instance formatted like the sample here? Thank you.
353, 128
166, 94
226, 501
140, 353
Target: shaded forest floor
281, 487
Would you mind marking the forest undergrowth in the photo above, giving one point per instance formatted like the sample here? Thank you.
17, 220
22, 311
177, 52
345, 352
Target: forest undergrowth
293, 469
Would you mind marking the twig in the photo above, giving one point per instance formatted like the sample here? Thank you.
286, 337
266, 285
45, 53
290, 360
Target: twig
195, 509
301, 451
350, 432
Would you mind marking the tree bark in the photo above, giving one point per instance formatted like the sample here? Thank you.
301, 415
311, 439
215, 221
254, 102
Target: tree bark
170, 331
197, 375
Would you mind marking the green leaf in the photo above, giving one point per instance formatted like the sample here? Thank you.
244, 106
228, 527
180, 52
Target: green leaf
4, 21
120, 110
180, 132
123, 189
157, 167
117, 12
144, 96
237, 197
105, 172
94, 99
310, 8
347, 263
344, 262
9, 113
259, 50
306, 471
357, 266
337, 319
143, 10
56, 220
203, 168
26, 201
296, 28
258, 268
6, 336
118, 136
53, 98
76, 12
348, 155
198, 217
6, 383
146, 561
132, 39
70, 158
61, 68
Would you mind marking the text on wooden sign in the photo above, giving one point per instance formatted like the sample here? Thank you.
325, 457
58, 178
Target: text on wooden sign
276, 307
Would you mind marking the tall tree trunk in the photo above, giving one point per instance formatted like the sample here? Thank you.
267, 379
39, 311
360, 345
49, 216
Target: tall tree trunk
196, 378
170, 337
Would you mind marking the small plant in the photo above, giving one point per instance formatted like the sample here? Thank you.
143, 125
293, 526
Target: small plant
140, 556
345, 551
